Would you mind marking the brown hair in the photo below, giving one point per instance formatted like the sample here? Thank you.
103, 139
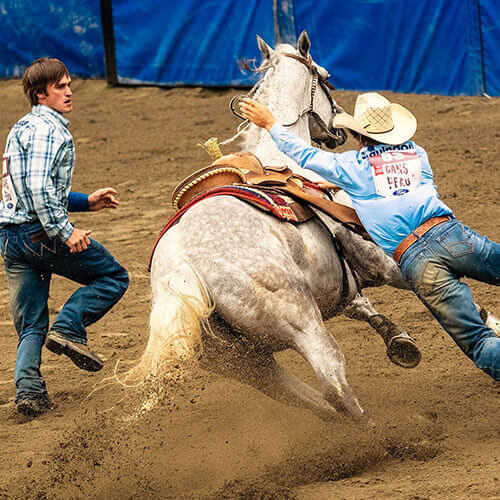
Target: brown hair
42, 72
366, 141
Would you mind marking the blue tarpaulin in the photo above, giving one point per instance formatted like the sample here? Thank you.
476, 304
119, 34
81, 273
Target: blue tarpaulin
431, 46
69, 31
402, 45
195, 42
490, 33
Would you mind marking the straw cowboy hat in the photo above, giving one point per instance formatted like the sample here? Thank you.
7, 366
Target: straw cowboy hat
379, 119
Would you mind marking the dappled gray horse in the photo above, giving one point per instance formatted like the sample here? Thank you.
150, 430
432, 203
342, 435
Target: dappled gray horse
289, 89
259, 285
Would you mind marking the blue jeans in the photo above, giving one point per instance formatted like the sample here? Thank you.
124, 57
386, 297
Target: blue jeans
30, 259
433, 266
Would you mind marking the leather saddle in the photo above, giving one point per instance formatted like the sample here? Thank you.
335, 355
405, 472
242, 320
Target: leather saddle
244, 168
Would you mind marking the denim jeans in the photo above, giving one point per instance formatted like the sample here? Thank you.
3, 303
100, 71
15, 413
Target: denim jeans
433, 266
30, 259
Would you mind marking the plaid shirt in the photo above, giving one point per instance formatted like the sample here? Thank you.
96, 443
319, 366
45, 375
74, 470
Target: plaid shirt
40, 157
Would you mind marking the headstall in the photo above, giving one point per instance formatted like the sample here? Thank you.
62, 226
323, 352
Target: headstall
324, 84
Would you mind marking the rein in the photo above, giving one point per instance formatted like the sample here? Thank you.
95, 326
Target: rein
316, 78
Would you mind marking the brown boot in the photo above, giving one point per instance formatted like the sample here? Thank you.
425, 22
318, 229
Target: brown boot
34, 404
79, 353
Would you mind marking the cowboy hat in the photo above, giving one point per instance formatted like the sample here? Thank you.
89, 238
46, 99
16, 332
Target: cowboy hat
379, 119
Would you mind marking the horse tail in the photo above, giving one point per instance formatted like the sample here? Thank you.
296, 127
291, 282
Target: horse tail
180, 307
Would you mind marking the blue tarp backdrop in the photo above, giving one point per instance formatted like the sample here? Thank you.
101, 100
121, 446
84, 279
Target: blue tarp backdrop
69, 30
490, 16
403, 45
192, 42
430, 46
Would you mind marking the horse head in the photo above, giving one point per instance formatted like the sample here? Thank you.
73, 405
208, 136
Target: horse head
304, 89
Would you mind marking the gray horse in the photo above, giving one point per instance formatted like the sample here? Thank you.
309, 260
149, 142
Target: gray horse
259, 285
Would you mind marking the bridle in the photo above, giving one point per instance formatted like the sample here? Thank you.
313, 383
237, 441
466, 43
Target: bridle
334, 137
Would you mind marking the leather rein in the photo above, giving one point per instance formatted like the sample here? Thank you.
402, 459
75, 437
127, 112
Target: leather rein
316, 78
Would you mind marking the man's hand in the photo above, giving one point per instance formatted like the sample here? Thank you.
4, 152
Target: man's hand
257, 113
79, 240
103, 198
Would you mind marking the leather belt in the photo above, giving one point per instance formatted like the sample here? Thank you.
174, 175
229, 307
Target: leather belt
420, 231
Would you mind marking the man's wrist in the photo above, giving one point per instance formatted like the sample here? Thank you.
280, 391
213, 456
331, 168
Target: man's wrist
66, 232
270, 124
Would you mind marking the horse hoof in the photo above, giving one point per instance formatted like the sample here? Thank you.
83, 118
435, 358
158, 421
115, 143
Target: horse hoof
403, 352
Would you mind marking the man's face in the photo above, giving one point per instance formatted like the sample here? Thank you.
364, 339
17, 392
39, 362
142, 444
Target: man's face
58, 96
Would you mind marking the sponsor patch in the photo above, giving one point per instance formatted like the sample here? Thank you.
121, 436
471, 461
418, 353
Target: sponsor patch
395, 172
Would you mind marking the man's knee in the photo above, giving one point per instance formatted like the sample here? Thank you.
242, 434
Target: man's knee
122, 281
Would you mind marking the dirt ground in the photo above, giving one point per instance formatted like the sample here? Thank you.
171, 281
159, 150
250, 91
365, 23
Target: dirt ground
437, 429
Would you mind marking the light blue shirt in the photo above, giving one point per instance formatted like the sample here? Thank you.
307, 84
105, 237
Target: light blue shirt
40, 154
391, 187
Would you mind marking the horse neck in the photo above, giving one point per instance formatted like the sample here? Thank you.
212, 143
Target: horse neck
286, 93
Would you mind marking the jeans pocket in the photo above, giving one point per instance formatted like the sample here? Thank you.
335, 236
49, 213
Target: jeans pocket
39, 244
457, 240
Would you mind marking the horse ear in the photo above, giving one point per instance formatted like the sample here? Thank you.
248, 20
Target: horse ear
304, 44
264, 48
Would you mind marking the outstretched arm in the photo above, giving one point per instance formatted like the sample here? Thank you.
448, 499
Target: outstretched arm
102, 198
329, 165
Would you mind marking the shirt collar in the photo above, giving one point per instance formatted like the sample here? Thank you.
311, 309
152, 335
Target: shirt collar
41, 109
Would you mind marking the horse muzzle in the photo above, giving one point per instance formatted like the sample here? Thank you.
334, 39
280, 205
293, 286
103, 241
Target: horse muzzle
328, 135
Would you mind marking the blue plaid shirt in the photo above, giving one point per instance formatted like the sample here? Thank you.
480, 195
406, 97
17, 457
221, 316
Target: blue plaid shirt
40, 153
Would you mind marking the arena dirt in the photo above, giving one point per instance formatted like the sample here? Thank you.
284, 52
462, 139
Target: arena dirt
437, 426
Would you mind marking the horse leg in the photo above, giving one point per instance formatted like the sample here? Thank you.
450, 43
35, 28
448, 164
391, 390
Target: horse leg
373, 267
242, 360
324, 355
401, 348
